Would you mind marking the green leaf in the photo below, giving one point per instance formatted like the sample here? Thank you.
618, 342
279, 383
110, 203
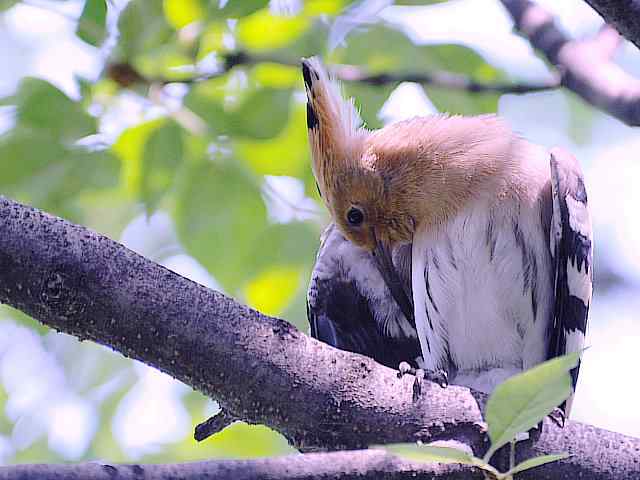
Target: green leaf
180, 13
208, 106
523, 400
263, 31
92, 26
42, 172
536, 462
219, 216
262, 115
90, 170
275, 75
22, 154
290, 147
293, 244
143, 28
242, 8
313, 41
130, 147
163, 153
212, 39
42, 107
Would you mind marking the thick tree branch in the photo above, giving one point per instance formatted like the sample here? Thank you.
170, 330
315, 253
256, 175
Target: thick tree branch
355, 465
586, 65
260, 369
623, 15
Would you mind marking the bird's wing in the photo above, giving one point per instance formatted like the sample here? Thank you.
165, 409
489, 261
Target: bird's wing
571, 252
341, 315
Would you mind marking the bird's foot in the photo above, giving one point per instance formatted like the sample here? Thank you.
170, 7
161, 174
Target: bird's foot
558, 417
437, 376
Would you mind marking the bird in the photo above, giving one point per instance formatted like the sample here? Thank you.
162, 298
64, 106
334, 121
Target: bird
481, 238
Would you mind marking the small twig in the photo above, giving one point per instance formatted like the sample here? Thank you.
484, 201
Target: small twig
213, 425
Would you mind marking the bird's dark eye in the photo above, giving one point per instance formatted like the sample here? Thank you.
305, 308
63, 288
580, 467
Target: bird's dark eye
355, 216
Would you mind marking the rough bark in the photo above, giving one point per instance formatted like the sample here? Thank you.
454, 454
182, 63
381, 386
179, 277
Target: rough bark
586, 66
355, 465
623, 15
261, 369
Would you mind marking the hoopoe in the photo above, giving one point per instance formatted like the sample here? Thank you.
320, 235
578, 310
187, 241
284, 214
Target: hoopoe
450, 229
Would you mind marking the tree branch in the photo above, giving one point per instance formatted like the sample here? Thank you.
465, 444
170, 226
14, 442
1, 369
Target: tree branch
354, 465
586, 66
125, 75
443, 79
213, 425
260, 369
623, 15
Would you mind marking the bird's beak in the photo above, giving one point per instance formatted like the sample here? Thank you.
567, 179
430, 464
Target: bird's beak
384, 262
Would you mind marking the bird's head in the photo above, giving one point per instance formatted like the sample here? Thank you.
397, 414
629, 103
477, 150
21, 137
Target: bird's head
345, 166
380, 186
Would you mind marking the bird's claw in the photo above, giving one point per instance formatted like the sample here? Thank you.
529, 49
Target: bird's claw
405, 369
417, 384
437, 376
558, 417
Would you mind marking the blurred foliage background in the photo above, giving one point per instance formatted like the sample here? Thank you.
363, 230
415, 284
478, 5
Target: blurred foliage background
178, 128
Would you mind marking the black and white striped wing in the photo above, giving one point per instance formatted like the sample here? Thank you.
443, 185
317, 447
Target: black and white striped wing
340, 312
571, 251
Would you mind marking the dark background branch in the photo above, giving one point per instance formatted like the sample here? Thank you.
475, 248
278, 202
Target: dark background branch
623, 15
586, 66
125, 75
261, 369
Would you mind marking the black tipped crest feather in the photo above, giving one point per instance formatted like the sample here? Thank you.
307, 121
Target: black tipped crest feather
306, 74
312, 119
